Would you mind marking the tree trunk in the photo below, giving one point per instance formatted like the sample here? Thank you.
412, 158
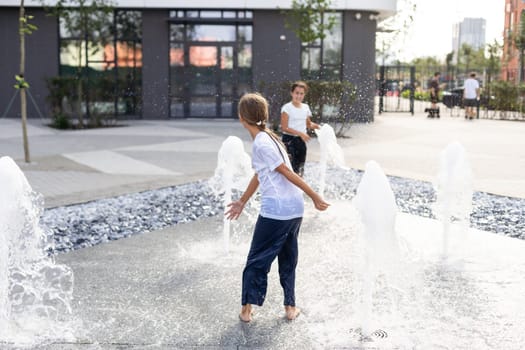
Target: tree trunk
23, 100
80, 115
79, 104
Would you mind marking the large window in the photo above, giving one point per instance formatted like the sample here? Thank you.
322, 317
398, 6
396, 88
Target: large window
108, 61
322, 59
210, 62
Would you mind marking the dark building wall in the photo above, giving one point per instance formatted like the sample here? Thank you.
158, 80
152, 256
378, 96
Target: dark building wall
359, 62
274, 59
41, 59
155, 64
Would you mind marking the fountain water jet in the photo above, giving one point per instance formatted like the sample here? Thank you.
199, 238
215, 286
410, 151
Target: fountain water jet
233, 172
330, 152
377, 209
35, 293
453, 191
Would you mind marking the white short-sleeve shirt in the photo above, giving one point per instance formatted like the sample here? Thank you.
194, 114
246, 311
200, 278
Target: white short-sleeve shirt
470, 87
280, 199
297, 115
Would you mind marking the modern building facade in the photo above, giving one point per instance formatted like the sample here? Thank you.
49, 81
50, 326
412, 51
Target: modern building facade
470, 31
178, 59
510, 68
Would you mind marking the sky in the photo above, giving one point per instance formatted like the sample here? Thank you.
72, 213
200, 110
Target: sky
431, 31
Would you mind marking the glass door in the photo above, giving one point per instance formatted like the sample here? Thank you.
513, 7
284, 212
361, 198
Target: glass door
210, 65
203, 93
210, 81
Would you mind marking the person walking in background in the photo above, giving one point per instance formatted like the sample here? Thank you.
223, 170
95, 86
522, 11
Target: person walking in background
470, 96
295, 120
280, 217
433, 111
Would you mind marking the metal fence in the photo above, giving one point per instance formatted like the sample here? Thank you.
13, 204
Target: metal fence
395, 88
406, 89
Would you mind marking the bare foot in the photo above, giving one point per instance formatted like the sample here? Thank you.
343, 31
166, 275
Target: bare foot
246, 313
292, 312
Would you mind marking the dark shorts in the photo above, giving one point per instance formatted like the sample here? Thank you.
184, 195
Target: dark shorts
434, 98
470, 102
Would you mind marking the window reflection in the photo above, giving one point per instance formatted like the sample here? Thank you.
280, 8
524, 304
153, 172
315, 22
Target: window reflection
311, 58
245, 33
226, 57
212, 32
245, 55
203, 56
332, 43
109, 62
322, 59
176, 54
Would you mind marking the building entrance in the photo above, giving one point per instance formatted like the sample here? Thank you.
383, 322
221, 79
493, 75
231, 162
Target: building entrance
210, 67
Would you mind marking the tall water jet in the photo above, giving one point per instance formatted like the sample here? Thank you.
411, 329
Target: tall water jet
377, 209
454, 191
233, 171
35, 293
330, 152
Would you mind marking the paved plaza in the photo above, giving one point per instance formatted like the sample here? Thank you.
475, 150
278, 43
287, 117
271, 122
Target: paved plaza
175, 288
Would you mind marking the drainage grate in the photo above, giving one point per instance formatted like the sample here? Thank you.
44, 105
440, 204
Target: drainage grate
380, 334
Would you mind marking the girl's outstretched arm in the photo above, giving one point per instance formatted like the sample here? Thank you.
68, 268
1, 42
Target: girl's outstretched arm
298, 181
236, 207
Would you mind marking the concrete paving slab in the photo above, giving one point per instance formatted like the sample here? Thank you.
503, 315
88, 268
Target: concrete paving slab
110, 162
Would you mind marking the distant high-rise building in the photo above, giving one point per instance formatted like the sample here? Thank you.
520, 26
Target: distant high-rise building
470, 31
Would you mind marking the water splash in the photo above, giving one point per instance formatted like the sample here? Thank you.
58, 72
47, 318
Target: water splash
35, 293
330, 152
377, 209
233, 172
453, 191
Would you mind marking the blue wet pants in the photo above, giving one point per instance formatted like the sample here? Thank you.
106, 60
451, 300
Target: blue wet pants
271, 238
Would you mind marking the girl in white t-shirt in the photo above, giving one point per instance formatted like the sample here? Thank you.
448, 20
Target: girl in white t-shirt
295, 120
282, 206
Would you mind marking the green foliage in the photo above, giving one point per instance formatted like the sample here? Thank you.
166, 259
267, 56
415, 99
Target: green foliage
507, 96
330, 102
25, 27
62, 94
60, 121
306, 19
21, 83
420, 95
63, 97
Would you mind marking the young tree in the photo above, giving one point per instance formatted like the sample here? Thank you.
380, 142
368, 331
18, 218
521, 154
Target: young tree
466, 51
89, 21
24, 28
308, 21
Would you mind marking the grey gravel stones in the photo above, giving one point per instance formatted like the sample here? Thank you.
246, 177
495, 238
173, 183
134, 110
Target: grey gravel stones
87, 224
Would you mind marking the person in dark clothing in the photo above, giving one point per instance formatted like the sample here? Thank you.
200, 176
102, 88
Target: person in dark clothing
433, 111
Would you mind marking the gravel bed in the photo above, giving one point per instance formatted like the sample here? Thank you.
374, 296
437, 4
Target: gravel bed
87, 224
